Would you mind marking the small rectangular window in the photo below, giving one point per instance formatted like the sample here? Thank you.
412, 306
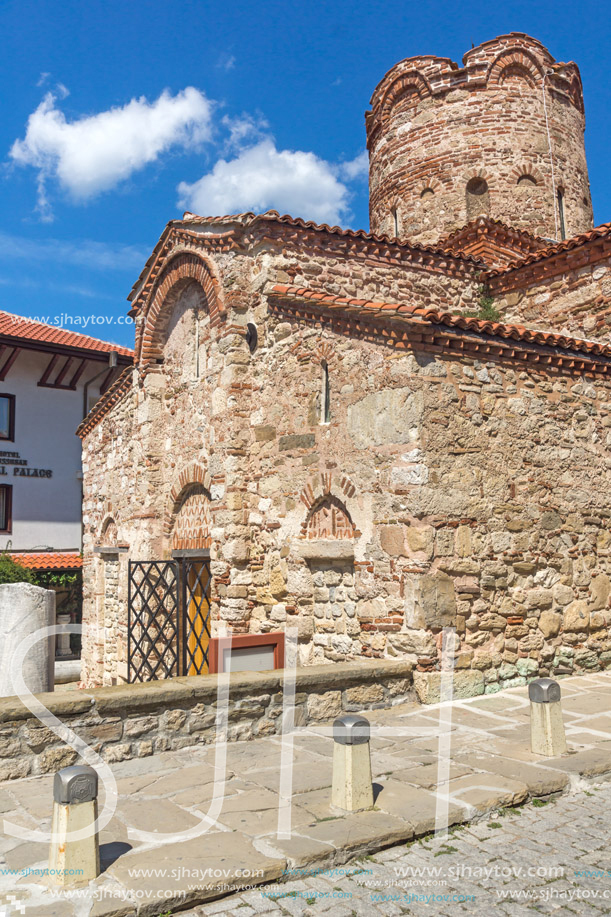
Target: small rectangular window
6, 506
7, 417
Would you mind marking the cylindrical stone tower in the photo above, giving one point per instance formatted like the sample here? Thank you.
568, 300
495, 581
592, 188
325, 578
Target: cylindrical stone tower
503, 137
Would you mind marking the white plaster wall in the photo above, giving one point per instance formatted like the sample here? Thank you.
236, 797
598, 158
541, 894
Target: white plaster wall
46, 511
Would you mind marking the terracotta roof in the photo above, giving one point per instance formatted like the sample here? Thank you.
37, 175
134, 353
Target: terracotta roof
555, 248
49, 560
25, 329
273, 216
416, 315
249, 218
494, 242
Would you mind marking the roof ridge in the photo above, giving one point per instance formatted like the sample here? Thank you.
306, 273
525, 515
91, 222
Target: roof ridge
555, 248
274, 215
489, 222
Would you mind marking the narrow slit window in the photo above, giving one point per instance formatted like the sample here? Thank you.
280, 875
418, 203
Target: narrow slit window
561, 220
325, 407
395, 221
196, 317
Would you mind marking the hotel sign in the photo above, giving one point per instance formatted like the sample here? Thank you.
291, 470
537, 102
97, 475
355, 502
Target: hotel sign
20, 467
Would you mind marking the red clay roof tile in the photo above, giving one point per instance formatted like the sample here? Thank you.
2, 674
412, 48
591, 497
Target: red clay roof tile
17, 326
416, 314
555, 248
49, 560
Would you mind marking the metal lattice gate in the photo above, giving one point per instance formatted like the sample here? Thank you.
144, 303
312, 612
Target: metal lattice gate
168, 618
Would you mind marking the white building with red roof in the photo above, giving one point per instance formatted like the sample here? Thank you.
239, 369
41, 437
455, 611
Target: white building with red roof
49, 380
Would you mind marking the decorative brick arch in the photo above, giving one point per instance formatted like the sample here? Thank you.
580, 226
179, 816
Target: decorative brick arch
478, 173
431, 183
329, 518
181, 269
410, 84
109, 533
324, 352
516, 62
192, 474
187, 523
526, 168
338, 491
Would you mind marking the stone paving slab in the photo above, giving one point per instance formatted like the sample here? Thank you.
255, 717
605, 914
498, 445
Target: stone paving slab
487, 765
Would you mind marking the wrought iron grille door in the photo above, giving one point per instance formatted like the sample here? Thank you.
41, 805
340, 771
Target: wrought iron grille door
168, 618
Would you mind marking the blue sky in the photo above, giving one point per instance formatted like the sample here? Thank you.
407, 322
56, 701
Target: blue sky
117, 116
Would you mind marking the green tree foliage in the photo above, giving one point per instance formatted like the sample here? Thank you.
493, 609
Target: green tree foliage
12, 572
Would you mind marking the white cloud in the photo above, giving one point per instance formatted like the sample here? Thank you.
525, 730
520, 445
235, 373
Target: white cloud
226, 62
356, 168
95, 153
263, 178
245, 129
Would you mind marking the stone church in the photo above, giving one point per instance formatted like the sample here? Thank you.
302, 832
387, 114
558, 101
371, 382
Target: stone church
368, 437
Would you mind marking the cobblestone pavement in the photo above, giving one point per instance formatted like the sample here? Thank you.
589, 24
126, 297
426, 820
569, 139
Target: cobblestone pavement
543, 858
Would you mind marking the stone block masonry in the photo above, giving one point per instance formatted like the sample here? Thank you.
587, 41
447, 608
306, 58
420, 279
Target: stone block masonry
135, 721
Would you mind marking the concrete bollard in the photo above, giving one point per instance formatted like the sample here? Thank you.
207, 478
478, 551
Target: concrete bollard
351, 787
546, 727
75, 807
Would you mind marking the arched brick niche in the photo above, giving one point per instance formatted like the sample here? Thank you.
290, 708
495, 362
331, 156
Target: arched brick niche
109, 535
191, 529
188, 520
516, 68
329, 518
182, 269
331, 507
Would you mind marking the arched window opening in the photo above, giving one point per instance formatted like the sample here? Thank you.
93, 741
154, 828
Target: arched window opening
252, 337
427, 194
526, 181
325, 401
478, 198
561, 219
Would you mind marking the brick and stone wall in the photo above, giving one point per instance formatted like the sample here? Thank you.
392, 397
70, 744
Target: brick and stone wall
448, 144
559, 294
134, 721
465, 488
193, 420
